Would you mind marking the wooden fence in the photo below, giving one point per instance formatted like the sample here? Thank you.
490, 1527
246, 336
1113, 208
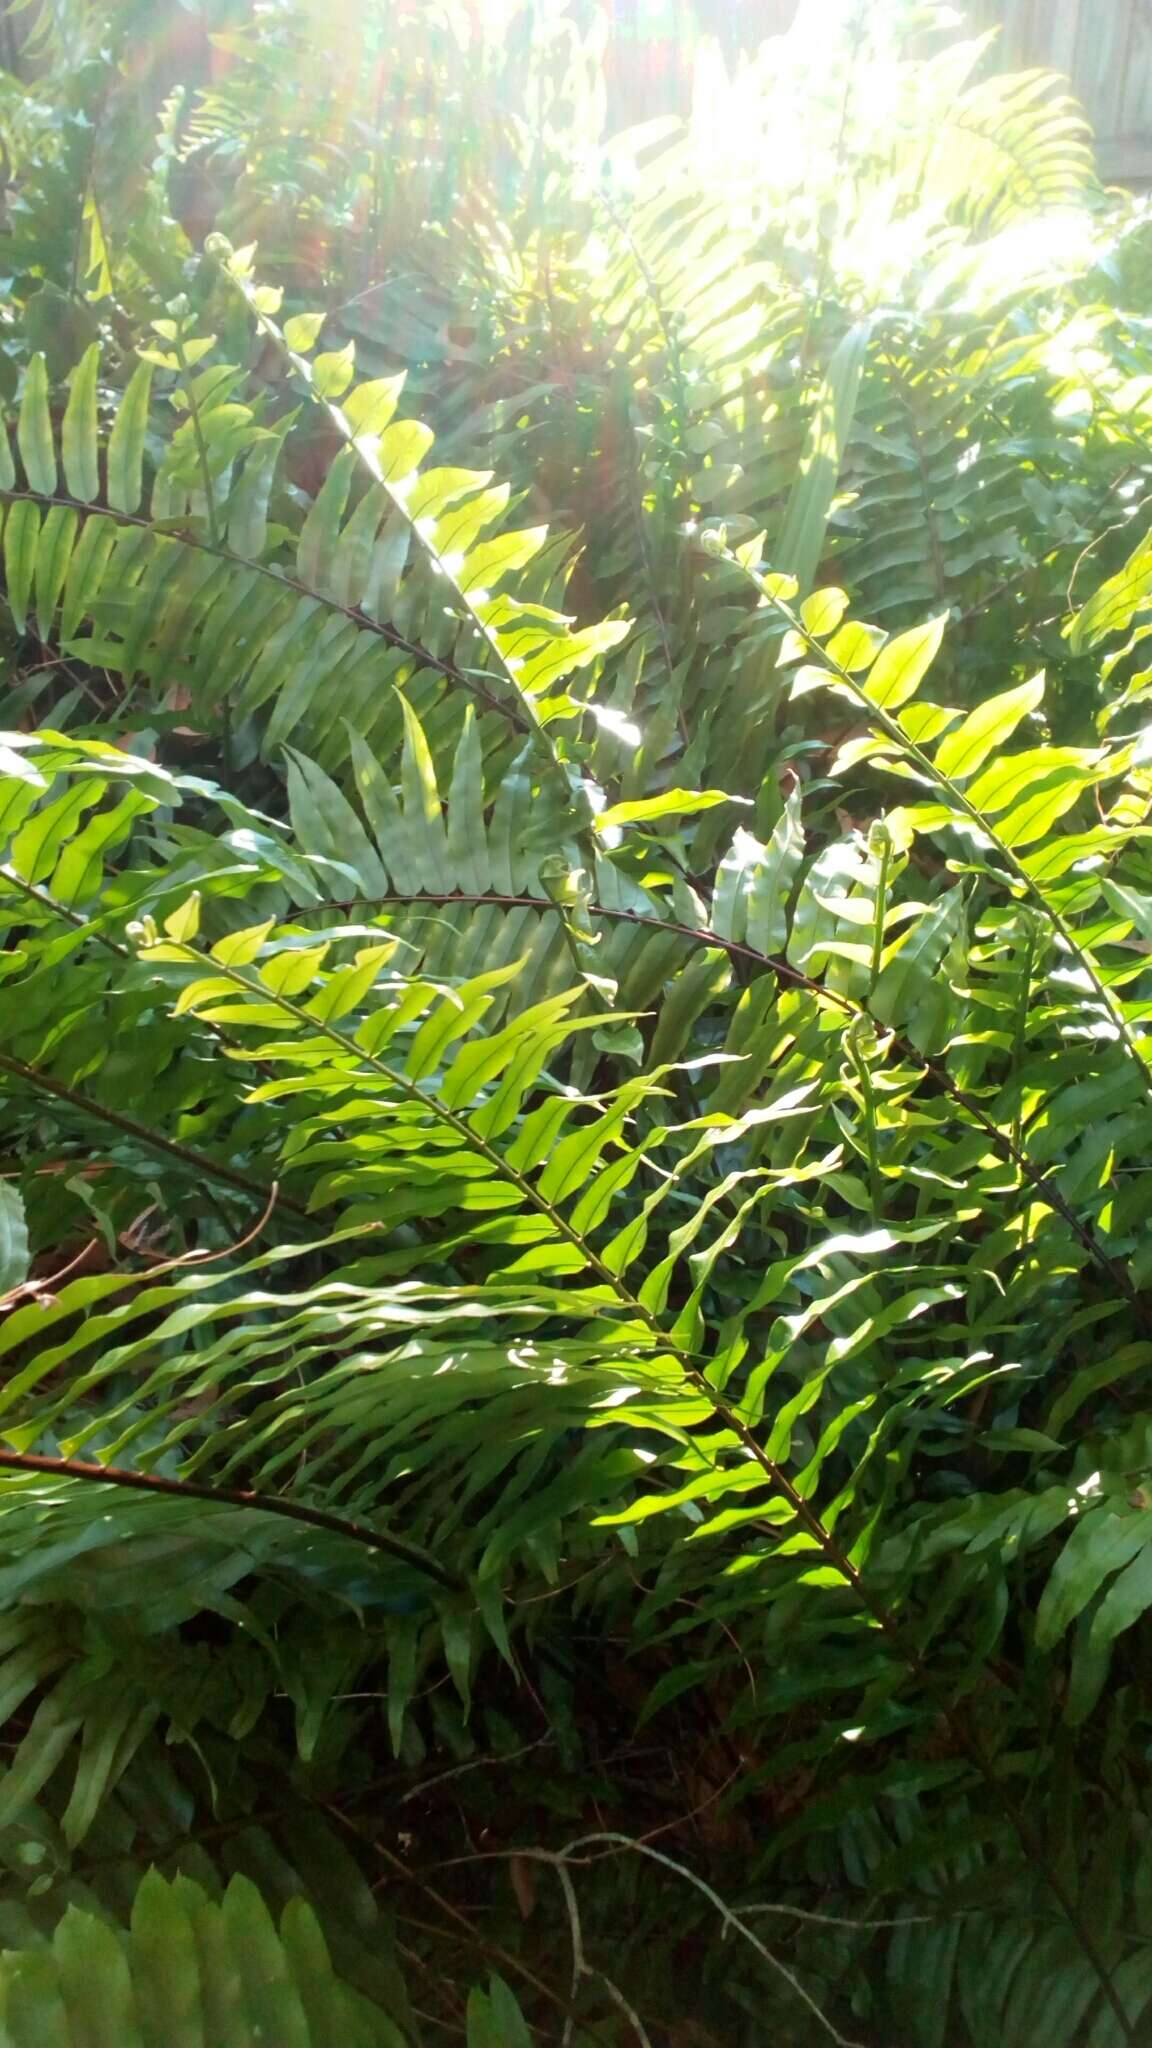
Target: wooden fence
1105, 46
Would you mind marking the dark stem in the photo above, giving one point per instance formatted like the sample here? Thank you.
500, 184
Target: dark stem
198, 1161
437, 662
235, 1497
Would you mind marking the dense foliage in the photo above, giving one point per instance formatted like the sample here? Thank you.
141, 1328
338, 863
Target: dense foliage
575, 1463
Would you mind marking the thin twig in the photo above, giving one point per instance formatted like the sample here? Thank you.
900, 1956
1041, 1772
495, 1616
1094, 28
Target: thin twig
619, 2000
838, 1920
567, 1857
468, 1930
474, 1763
579, 1965
681, 1820
729, 1918
204, 1258
46, 1284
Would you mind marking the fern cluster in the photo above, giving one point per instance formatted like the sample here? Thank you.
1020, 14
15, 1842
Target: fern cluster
574, 1043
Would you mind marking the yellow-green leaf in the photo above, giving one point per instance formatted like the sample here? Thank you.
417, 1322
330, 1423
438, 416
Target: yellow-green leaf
185, 922
78, 436
302, 332
900, 667
34, 430
333, 373
126, 442
823, 611
855, 646
962, 752
21, 537
239, 949
53, 555
671, 803
370, 406
402, 449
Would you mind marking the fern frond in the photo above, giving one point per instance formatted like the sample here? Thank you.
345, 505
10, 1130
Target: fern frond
171, 584
191, 1969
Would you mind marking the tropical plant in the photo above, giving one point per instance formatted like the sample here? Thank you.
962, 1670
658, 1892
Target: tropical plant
574, 1046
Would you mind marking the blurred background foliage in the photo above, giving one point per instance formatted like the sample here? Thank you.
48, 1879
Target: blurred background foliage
574, 1217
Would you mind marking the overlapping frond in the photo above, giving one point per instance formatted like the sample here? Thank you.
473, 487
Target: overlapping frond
178, 580
573, 1188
